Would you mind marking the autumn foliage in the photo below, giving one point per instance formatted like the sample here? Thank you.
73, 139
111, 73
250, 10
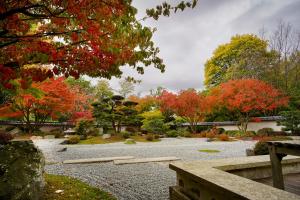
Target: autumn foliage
248, 97
39, 39
52, 99
188, 104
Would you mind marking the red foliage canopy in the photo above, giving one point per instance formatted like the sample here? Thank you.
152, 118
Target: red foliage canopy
71, 38
56, 98
187, 104
249, 95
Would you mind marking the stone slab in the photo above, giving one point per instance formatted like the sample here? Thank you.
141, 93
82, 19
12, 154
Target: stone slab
96, 160
145, 160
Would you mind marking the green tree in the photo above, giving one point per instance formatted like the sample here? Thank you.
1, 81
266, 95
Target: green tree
103, 90
126, 88
154, 122
245, 56
291, 121
114, 112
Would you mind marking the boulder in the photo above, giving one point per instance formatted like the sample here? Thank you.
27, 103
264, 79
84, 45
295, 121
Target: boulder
106, 136
250, 152
21, 171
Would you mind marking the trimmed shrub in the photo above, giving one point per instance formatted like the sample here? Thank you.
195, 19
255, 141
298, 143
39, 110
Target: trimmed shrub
223, 137
250, 134
220, 130
233, 133
172, 133
84, 127
261, 148
156, 137
264, 131
203, 134
150, 137
74, 139
57, 133
125, 134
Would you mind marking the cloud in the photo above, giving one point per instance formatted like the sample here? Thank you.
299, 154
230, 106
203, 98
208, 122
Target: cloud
186, 40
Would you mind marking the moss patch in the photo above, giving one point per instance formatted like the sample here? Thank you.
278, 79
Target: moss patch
115, 138
209, 150
100, 140
72, 189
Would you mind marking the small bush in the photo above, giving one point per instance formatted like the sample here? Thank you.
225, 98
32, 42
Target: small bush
223, 137
261, 148
183, 132
220, 130
57, 133
203, 134
84, 127
125, 134
250, 134
150, 137
156, 136
264, 131
172, 133
5, 138
187, 134
74, 139
233, 133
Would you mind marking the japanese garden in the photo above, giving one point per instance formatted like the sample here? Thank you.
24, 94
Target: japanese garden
134, 100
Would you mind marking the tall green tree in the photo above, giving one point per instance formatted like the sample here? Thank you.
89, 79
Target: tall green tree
245, 56
126, 88
103, 90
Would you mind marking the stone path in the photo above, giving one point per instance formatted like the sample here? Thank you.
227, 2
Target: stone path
149, 181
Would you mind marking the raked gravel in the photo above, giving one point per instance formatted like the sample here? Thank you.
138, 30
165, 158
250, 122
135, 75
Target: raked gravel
143, 181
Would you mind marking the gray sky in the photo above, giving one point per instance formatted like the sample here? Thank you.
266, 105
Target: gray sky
186, 40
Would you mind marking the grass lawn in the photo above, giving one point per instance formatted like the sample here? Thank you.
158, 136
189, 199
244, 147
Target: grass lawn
115, 138
72, 189
209, 150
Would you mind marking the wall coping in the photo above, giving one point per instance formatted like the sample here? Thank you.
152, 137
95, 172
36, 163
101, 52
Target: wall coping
214, 173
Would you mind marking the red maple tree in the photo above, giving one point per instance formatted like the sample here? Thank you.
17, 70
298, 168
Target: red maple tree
53, 98
247, 97
74, 37
188, 104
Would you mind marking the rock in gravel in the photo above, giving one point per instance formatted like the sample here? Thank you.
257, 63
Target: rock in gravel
63, 149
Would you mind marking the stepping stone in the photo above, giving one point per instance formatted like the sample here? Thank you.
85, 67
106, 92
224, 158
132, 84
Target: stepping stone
96, 160
145, 160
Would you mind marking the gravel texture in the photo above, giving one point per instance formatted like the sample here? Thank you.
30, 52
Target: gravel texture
144, 181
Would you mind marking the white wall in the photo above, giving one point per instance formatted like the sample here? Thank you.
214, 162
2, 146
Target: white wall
255, 126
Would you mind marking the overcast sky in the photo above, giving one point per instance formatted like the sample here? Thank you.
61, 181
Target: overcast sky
186, 40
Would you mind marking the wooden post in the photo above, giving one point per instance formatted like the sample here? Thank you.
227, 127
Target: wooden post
276, 167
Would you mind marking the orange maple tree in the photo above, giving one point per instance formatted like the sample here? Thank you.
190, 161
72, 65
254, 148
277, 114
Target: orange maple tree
188, 104
145, 103
71, 37
55, 98
247, 97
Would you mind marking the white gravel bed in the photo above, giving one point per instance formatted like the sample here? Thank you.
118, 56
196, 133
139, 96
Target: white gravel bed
144, 181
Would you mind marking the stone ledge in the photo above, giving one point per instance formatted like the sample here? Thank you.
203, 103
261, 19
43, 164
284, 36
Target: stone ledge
145, 160
213, 174
96, 160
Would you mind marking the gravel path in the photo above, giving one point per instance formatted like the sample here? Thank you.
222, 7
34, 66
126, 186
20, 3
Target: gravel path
135, 181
